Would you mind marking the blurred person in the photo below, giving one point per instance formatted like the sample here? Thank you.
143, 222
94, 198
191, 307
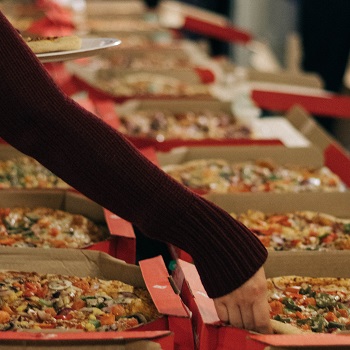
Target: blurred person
325, 39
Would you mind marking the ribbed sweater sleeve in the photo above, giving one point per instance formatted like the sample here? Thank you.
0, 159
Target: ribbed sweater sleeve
42, 122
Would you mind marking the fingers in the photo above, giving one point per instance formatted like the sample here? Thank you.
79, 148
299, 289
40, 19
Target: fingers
261, 317
222, 312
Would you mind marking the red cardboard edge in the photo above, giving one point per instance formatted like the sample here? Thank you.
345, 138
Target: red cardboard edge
157, 281
82, 335
118, 226
205, 304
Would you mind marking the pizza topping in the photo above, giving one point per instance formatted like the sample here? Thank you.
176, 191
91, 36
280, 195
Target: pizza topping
41, 301
221, 176
299, 230
46, 227
165, 125
26, 172
308, 303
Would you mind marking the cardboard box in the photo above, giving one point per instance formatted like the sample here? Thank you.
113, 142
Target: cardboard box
152, 273
121, 242
335, 203
304, 156
308, 156
211, 335
178, 106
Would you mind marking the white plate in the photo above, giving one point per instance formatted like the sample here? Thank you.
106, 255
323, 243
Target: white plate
89, 47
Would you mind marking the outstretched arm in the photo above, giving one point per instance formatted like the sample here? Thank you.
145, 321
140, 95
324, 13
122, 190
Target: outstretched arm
42, 122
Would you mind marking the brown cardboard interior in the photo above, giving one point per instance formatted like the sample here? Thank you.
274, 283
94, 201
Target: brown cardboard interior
176, 105
305, 123
333, 203
70, 262
68, 201
308, 156
315, 263
9, 152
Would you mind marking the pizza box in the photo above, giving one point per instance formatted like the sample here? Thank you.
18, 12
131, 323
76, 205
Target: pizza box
108, 7
209, 332
336, 156
151, 273
334, 203
121, 243
304, 156
110, 112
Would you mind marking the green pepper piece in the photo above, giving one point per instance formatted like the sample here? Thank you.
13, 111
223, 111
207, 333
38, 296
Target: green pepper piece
332, 324
45, 302
347, 228
324, 300
318, 324
290, 304
282, 319
96, 323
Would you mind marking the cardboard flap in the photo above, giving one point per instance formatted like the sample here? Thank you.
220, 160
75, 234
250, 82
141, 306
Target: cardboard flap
308, 156
322, 104
70, 262
78, 336
205, 304
157, 281
319, 340
118, 226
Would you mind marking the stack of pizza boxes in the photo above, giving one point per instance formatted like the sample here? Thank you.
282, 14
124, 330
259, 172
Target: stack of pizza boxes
322, 151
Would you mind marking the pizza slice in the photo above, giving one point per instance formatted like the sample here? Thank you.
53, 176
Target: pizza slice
49, 44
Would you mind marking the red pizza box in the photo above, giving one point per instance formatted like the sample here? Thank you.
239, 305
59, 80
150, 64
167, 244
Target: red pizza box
177, 15
318, 102
86, 79
209, 332
110, 112
336, 156
120, 244
310, 156
151, 273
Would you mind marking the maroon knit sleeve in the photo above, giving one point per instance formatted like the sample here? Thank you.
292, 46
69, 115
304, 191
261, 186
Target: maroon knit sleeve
40, 121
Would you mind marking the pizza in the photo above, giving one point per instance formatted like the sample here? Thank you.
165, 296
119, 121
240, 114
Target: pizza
30, 301
195, 125
147, 84
26, 172
261, 175
309, 304
298, 230
47, 44
47, 228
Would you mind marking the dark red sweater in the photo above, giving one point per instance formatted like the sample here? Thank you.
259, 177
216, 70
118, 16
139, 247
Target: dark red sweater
42, 122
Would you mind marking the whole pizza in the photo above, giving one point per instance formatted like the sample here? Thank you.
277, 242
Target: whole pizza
298, 230
262, 175
30, 301
309, 304
47, 228
189, 125
26, 172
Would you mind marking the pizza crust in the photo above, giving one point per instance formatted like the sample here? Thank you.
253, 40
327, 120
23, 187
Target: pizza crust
285, 328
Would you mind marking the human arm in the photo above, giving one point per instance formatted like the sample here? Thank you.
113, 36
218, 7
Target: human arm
42, 122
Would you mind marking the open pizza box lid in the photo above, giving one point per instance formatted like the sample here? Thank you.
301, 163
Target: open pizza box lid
209, 332
152, 274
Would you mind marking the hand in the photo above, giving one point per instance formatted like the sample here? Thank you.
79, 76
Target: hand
247, 307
